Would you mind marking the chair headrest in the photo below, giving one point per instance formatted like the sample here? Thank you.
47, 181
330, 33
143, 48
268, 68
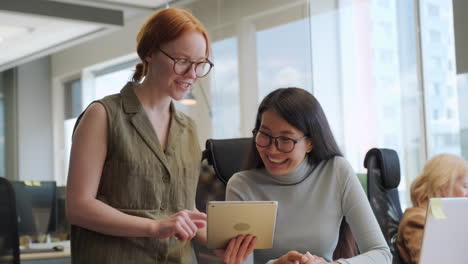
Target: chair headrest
226, 155
387, 162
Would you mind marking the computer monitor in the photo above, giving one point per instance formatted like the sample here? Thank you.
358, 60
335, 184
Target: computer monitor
36, 207
445, 232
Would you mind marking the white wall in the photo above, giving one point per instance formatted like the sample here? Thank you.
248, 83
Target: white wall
34, 112
119, 43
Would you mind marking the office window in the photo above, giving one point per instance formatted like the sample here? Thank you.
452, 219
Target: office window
112, 79
434, 73
384, 3
376, 102
450, 91
280, 67
435, 63
436, 88
450, 65
72, 98
385, 56
434, 36
432, 10
449, 114
386, 27
226, 101
435, 115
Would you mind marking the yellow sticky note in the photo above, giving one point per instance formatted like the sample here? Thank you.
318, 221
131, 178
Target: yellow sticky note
436, 208
28, 183
36, 183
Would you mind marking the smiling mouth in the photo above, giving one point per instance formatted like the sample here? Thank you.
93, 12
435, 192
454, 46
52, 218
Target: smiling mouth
276, 161
184, 85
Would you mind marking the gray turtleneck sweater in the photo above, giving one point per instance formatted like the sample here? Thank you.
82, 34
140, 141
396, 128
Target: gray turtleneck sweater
312, 200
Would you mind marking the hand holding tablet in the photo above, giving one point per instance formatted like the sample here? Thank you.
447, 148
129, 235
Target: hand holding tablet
228, 219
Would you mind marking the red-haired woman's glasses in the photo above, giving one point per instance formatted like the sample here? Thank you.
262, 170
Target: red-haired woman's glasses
283, 144
182, 66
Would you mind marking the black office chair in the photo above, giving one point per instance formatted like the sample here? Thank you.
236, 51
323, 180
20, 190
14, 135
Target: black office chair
226, 155
383, 178
9, 240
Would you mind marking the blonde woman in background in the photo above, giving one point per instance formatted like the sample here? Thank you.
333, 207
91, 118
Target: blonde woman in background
445, 175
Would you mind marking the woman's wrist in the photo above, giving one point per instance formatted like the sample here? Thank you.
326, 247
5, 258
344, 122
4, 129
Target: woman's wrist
201, 237
153, 228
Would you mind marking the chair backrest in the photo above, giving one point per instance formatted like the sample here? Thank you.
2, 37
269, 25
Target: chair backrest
226, 155
9, 240
383, 178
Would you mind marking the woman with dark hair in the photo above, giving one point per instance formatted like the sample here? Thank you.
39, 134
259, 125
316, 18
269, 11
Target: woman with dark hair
295, 160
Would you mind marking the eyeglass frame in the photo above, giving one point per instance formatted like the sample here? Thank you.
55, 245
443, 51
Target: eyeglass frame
175, 60
275, 139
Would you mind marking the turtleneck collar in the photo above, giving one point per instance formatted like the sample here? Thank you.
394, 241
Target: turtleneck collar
295, 176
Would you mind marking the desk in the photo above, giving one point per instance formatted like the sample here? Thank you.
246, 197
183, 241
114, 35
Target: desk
59, 257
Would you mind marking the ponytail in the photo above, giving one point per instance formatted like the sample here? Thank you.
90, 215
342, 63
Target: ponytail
140, 71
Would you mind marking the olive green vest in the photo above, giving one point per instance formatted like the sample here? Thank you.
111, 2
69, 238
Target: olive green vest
140, 178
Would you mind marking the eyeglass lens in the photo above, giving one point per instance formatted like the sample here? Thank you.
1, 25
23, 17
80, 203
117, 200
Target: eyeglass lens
201, 68
283, 144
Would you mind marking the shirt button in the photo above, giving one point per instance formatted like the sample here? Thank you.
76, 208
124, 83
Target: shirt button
165, 179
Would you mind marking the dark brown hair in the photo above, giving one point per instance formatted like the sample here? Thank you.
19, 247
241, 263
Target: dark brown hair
302, 110
164, 26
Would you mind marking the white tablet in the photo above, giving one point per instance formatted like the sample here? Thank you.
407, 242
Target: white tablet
227, 219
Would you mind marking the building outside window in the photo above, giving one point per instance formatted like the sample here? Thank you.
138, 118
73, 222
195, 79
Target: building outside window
434, 55
225, 89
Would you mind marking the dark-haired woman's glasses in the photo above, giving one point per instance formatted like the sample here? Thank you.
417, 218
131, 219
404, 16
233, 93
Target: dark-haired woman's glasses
283, 144
182, 66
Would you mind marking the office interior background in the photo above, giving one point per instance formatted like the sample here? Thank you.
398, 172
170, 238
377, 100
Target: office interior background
388, 73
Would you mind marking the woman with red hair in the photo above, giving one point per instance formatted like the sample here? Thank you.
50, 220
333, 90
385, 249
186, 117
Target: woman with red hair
135, 159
